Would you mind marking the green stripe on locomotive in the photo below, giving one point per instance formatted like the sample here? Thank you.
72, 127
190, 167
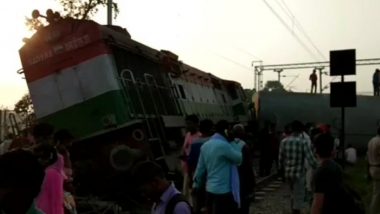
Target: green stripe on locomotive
93, 115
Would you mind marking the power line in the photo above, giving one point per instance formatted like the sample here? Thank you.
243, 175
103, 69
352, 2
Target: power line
289, 13
286, 7
298, 25
290, 30
291, 82
233, 61
248, 53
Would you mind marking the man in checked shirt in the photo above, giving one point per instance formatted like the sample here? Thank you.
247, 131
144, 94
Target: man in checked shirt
294, 151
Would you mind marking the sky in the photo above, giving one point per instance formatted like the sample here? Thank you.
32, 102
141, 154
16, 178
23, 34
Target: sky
222, 37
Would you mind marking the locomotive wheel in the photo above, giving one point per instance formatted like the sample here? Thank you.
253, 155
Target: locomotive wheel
122, 157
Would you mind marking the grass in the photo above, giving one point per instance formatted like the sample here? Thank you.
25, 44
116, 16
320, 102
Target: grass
356, 177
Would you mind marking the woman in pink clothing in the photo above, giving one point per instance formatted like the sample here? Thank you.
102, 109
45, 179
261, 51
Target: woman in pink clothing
192, 124
63, 141
51, 198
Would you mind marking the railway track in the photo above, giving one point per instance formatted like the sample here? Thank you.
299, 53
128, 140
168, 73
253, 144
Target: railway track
265, 188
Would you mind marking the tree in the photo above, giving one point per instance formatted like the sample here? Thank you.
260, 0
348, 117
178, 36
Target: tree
77, 9
24, 105
24, 108
34, 24
274, 86
85, 9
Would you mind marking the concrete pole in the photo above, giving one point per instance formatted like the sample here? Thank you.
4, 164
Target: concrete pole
109, 12
279, 71
320, 69
256, 73
320, 81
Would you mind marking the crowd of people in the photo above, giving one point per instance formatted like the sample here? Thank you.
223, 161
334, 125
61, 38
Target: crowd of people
218, 175
217, 169
36, 174
217, 164
310, 164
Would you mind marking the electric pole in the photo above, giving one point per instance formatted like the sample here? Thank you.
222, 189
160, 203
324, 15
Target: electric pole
109, 12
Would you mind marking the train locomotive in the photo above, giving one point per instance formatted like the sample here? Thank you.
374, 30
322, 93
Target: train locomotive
122, 100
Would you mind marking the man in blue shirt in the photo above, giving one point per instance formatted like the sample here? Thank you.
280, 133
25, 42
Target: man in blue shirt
214, 167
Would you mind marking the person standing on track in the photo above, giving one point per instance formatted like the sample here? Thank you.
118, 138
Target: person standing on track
294, 151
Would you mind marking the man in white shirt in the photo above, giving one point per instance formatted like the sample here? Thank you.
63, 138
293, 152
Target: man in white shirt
350, 155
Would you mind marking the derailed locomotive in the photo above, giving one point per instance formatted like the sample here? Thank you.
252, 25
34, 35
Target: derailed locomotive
121, 99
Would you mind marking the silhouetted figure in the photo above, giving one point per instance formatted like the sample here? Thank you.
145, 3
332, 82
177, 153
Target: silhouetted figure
286, 133
43, 133
327, 178
332, 194
376, 82
268, 142
20, 182
313, 78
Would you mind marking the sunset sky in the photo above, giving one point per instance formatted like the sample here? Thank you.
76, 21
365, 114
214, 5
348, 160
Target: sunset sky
222, 37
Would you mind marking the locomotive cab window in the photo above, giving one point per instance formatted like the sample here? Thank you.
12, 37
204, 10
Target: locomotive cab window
232, 92
182, 91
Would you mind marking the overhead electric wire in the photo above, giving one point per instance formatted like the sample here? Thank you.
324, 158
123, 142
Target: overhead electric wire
289, 13
298, 25
286, 7
291, 82
290, 30
248, 53
233, 61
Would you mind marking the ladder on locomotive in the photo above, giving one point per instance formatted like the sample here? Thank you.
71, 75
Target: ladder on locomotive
153, 123
8, 124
